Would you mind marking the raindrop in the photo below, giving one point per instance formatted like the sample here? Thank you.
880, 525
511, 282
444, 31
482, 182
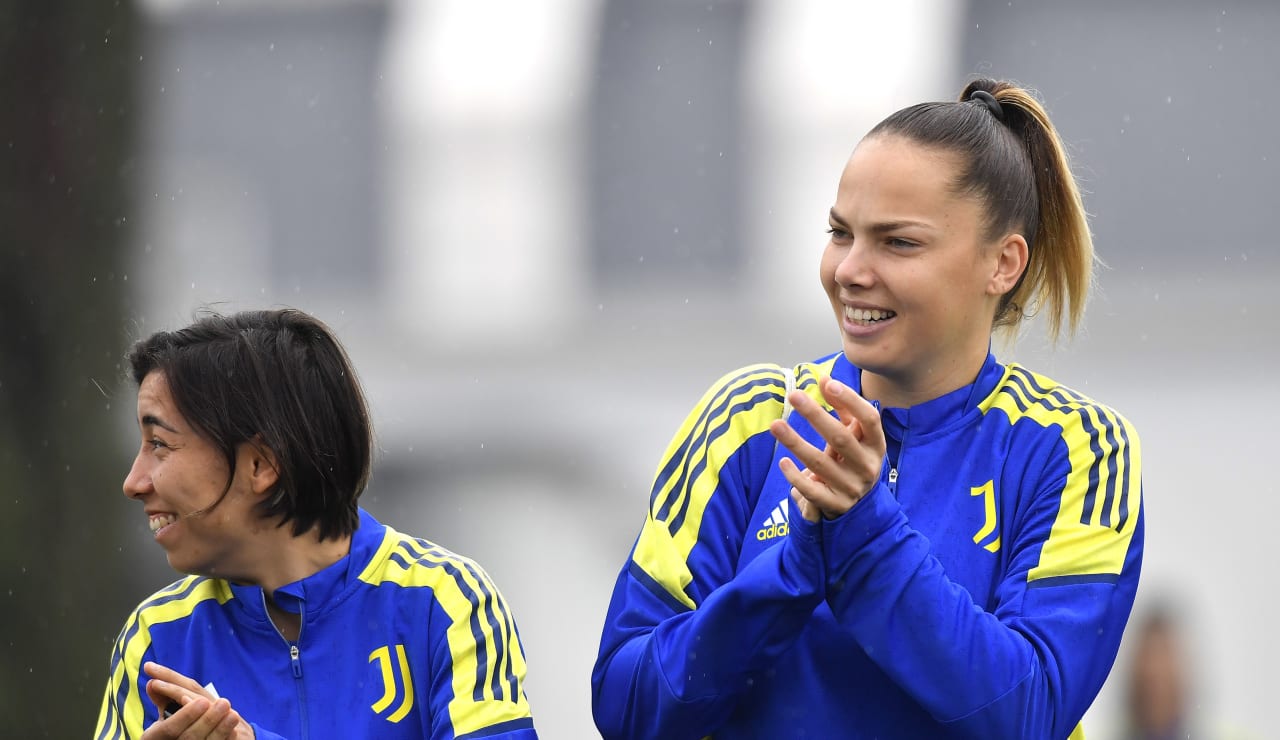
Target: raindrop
1168, 99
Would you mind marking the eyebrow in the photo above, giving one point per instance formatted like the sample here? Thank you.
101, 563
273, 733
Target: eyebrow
149, 420
881, 228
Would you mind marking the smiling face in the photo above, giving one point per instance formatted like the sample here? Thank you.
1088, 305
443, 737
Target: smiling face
178, 474
911, 275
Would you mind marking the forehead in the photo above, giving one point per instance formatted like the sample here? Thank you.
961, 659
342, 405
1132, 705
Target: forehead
896, 173
155, 399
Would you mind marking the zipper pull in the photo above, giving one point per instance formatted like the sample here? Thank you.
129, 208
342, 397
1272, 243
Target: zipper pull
893, 481
294, 654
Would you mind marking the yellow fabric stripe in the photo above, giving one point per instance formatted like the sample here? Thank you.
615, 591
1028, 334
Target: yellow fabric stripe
1074, 548
660, 553
133, 642
428, 571
688, 448
1077, 733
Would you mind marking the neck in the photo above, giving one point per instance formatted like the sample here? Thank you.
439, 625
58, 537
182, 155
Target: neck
306, 557
907, 390
281, 558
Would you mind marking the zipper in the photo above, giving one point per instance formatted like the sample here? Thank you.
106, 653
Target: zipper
893, 467
295, 663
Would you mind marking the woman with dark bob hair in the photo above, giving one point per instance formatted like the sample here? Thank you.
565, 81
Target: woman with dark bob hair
302, 615
906, 538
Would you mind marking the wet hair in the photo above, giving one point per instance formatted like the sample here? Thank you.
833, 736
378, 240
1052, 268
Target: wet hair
1015, 164
279, 379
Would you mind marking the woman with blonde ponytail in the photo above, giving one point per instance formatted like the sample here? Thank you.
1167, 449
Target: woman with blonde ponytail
907, 538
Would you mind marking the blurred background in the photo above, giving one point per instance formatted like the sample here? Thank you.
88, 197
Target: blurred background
543, 229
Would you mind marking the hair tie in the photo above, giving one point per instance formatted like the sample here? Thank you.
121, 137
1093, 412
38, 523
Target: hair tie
990, 101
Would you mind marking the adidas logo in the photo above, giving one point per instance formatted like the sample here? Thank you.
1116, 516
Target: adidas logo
776, 524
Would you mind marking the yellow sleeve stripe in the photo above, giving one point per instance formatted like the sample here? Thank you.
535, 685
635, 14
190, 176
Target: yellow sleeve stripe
715, 420
736, 408
122, 708
1098, 508
488, 664
739, 406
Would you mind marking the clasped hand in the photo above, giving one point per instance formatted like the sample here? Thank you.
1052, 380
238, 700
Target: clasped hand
839, 475
201, 717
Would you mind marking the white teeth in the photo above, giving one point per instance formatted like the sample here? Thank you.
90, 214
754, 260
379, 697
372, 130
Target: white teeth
867, 315
160, 521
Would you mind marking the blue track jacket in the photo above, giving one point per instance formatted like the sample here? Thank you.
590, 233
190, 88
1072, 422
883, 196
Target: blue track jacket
400, 639
979, 590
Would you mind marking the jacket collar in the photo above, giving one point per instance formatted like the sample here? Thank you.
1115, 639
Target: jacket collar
316, 592
935, 414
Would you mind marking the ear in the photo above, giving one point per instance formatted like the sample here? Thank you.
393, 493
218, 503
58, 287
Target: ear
258, 461
1011, 258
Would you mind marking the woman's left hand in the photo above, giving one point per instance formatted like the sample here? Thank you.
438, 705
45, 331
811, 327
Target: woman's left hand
839, 475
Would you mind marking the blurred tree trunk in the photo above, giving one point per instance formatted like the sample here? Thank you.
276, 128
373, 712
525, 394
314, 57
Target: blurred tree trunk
66, 148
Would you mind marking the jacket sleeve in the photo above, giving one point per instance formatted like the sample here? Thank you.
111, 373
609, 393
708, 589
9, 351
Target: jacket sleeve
475, 681
686, 631
125, 701
1032, 665
126, 709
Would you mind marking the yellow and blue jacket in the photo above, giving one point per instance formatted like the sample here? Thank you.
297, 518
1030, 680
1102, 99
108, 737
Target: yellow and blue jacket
979, 590
400, 639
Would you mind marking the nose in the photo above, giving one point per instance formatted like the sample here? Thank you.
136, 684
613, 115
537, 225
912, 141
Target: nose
855, 267
138, 481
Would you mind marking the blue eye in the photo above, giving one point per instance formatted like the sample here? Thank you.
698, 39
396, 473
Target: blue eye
837, 233
901, 243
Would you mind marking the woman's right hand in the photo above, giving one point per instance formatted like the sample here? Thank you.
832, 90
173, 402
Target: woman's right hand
838, 476
200, 716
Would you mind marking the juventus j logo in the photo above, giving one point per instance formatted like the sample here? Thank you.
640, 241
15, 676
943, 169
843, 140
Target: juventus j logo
383, 656
988, 493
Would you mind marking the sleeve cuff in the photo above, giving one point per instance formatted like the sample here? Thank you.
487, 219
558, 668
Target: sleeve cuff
844, 537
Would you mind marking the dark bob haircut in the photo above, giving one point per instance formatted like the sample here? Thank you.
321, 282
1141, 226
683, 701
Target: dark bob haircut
279, 379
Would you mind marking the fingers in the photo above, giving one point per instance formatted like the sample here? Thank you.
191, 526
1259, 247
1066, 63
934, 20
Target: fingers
812, 497
155, 670
164, 695
200, 718
806, 508
838, 476
847, 463
850, 407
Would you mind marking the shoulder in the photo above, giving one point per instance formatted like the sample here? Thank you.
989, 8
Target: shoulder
413, 562
1024, 395
759, 391
170, 605
180, 599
